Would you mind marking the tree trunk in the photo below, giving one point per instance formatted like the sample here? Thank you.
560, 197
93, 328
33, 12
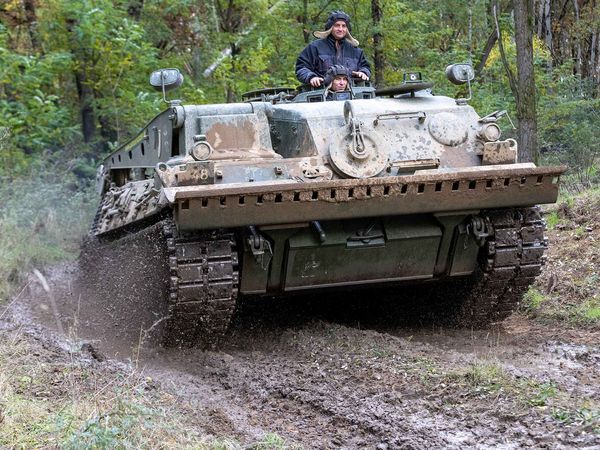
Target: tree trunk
305, 30
31, 18
86, 98
548, 38
489, 45
85, 92
544, 25
379, 57
577, 41
526, 101
511, 78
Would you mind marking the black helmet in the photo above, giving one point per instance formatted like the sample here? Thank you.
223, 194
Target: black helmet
335, 71
335, 16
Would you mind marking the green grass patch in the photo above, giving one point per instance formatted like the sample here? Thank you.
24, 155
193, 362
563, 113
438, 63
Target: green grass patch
552, 219
579, 416
533, 299
482, 379
541, 394
272, 441
50, 399
588, 311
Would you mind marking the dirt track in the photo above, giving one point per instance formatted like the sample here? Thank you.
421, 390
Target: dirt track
334, 372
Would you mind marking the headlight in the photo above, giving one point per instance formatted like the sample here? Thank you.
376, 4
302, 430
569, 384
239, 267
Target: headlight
201, 151
489, 132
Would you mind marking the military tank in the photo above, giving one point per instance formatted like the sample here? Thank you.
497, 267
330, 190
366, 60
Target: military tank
287, 192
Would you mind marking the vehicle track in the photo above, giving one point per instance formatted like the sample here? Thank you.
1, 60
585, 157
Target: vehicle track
203, 286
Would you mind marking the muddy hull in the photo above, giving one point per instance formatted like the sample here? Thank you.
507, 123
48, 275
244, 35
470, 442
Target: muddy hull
283, 237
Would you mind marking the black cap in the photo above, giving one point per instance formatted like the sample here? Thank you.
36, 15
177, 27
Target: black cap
335, 16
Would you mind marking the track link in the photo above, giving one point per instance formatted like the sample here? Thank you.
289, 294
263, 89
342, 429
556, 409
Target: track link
203, 286
511, 259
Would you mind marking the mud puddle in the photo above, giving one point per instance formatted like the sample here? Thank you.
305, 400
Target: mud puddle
327, 372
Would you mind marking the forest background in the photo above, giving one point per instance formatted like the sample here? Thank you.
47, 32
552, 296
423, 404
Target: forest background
74, 73
74, 83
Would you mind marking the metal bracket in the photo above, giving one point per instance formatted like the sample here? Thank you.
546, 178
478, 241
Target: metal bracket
420, 115
260, 247
358, 141
366, 235
480, 228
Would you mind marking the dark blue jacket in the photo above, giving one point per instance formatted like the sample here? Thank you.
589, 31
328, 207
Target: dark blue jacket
320, 55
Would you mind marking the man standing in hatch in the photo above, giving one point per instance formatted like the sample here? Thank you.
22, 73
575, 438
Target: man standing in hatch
334, 46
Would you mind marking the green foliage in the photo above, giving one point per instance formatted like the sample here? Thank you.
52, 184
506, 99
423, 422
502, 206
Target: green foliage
579, 416
31, 104
100, 45
570, 135
111, 53
542, 394
552, 219
588, 311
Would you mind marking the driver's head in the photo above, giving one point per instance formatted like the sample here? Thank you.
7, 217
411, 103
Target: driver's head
337, 78
339, 83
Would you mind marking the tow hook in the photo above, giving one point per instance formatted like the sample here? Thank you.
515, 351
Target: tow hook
260, 247
480, 228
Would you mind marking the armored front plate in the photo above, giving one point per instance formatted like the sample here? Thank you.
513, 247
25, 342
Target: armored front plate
356, 252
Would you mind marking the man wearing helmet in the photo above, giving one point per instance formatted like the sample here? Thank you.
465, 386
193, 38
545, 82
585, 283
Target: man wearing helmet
334, 46
337, 83
337, 78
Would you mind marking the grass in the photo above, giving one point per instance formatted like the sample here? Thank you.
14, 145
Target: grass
568, 290
552, 219
589, 417
585, 313
486, 380
67, 403
61, 401
272, 441
41, 223
541, 394
533, 299
480, 379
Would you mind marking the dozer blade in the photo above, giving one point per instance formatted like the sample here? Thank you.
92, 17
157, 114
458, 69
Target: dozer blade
430, 191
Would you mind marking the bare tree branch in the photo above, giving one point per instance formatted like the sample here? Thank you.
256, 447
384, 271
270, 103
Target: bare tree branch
511, 77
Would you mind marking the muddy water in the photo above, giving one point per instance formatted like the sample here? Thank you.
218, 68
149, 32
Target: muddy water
349, 371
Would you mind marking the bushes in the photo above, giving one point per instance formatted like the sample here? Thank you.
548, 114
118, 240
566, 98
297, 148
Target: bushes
570, 134
41, 222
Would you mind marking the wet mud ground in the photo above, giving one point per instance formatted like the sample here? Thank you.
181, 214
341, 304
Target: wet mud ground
349, 370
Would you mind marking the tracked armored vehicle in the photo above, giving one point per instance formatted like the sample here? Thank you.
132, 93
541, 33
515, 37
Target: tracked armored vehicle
287, 192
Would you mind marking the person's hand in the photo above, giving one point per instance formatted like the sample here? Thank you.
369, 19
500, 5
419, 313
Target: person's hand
363, 76
316, 81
